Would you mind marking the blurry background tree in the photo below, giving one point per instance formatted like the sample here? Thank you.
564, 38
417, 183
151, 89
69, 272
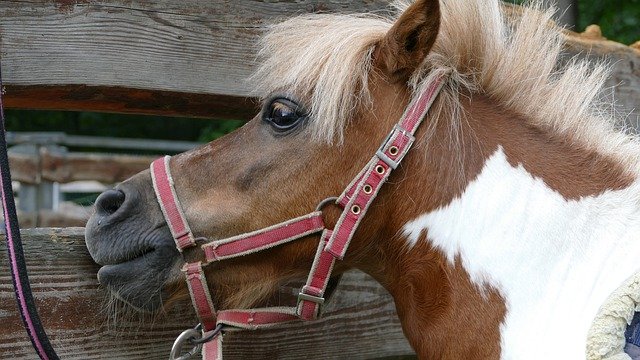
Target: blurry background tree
619, 20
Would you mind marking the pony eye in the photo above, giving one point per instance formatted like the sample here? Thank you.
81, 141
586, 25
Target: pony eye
283, 114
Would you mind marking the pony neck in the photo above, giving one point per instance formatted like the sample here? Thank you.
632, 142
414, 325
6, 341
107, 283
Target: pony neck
514, 223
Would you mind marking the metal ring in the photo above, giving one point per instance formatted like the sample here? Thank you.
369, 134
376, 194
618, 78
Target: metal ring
367, 189
204, 339
327, 201
355, 209
380, 169
393, 150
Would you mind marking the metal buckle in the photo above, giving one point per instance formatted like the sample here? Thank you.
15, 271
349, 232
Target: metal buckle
316, 299
387, 160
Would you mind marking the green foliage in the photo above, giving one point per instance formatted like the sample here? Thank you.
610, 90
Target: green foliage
118, 125
618, 19
218, 129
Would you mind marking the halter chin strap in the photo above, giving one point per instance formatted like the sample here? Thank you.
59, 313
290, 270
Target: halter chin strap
333, 245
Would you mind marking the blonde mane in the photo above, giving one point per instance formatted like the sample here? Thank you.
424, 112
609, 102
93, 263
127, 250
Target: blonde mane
326, 59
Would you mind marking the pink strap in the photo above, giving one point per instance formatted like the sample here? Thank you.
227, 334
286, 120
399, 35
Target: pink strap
359, 195
200, 295
419, 107
253, 319
311, 297
169, 203
264, 238
212, 350
356, 208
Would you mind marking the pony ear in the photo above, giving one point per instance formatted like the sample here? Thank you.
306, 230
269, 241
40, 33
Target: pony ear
409, 40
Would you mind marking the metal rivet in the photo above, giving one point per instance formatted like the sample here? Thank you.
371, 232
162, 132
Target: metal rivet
367, 189
393, 150
355, 209
380, 169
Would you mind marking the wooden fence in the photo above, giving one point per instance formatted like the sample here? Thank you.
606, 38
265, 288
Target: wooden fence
186, 58
360, 322
40, 162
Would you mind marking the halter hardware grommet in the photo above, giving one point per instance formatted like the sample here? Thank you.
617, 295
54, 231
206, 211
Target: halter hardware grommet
367, 189
355, 209
393, 150
380, 169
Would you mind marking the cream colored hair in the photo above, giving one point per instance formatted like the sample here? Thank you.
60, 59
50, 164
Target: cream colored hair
326, 59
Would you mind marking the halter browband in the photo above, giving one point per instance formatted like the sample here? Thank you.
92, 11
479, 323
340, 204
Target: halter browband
354, 201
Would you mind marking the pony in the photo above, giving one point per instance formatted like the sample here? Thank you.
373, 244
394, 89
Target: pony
501, 234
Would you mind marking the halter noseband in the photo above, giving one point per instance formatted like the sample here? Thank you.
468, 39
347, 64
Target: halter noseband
355, 201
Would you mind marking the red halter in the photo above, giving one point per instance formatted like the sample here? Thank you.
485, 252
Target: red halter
355, 201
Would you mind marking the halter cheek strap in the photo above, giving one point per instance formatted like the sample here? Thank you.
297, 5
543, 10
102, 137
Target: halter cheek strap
354, 201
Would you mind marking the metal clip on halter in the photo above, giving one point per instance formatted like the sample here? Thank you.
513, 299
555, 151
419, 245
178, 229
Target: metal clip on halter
194, 337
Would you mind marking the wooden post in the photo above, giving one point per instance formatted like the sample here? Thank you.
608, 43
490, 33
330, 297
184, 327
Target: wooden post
567, 15
42, 194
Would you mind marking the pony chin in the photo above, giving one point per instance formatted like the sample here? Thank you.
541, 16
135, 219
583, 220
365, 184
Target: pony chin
141, 282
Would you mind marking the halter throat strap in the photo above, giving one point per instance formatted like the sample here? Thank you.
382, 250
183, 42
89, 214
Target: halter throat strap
355, 202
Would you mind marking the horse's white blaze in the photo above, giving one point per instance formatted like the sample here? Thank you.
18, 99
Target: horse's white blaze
554, 261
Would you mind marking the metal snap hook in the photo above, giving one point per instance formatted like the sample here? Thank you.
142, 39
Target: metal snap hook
187, 336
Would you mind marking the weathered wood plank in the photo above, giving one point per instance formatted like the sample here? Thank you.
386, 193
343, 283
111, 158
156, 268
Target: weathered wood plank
55, 218
64, 168
129, 101
183, 58
188, 58
624, 83
360, 321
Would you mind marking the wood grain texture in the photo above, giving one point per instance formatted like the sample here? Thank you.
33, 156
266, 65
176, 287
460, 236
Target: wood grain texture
67, 167
360, 321
75, 54
623, 87
181, 58
130, 101
54, 218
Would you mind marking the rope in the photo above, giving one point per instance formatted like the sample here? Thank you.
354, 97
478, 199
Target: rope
17, 264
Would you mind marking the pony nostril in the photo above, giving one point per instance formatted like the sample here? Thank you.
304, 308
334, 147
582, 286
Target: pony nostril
109, 202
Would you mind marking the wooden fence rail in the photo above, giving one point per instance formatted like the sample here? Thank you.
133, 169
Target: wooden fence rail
182, 58
62, 139
360, 322
67, 167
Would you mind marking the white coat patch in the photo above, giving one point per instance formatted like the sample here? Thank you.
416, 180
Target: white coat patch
554, 261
